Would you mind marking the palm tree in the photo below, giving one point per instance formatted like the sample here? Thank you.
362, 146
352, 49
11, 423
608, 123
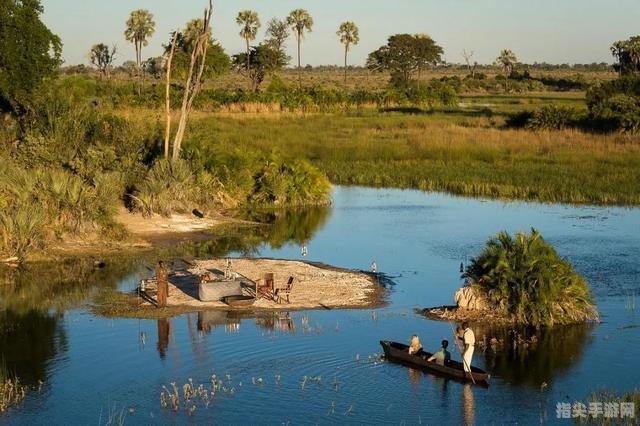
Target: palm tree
349, 35
507, 60
249, 23
300, 21
140, 26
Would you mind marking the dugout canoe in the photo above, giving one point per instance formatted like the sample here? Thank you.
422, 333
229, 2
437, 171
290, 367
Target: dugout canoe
398, 352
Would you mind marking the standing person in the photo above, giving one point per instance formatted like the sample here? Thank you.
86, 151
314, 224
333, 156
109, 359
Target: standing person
162, 278
469, 340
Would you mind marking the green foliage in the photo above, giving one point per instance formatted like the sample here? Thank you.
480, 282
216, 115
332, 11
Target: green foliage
525, 278
29, 53
404, 56
172, 187
263, 59
552, 117
217, 61
615, 105
21, 229
627, 52
102, 57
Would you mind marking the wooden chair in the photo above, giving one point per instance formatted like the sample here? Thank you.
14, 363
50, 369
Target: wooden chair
284, 291
264, 287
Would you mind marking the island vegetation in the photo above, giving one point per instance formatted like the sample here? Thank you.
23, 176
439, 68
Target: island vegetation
522, 279
81, 142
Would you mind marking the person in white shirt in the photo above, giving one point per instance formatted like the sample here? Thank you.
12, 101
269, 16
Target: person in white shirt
469, 341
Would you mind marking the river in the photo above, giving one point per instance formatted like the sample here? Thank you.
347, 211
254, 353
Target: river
321, 367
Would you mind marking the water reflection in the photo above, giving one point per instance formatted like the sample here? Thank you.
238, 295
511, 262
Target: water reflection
530, 357
210, 320
33, 299
164, 330
279, 228
277, 321
468, 405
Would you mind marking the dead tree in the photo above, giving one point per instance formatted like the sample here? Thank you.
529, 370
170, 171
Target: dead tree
167, 96
467, 57
193, 82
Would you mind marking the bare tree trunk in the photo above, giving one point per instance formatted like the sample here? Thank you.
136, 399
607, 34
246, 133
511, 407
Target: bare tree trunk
249, 64
299, 36
167, 96
346, 52
192, 87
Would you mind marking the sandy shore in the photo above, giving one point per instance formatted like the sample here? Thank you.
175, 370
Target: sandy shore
315, 286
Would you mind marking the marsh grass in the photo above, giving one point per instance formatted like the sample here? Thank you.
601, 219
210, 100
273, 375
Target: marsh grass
459, 153
12, 391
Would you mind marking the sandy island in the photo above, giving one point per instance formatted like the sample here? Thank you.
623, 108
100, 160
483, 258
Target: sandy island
315, 286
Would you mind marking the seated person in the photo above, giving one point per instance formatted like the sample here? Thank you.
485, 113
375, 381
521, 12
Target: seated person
415, 345
442, 357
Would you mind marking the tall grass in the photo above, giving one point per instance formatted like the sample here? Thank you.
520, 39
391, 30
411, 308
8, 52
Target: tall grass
454, 152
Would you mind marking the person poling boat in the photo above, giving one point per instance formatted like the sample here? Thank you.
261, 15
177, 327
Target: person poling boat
468, 339
398, 352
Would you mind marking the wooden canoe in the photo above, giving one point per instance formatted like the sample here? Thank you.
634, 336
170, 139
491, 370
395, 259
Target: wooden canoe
398, 352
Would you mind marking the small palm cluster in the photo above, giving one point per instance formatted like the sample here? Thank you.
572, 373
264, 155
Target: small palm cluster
525, 279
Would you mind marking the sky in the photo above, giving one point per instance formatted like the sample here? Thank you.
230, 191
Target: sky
554, 31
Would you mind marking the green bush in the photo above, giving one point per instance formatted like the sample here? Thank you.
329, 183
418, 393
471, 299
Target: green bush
524, 278
551, 117
615, 105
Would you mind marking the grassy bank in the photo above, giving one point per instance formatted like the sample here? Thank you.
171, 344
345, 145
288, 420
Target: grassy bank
460, 152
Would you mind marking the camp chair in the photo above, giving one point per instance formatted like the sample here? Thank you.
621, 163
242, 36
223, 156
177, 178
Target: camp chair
264, 287
284, 291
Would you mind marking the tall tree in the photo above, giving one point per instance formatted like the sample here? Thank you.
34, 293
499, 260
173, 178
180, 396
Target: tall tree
200, 42
300, 22
249, 26
277, 35
264, 60
507, 60
29, 52
102, 57
627, 52
349, 36
405, 56
140, 26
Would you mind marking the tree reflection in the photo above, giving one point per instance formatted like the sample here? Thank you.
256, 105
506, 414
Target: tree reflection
277, 228
33, 299
531, 357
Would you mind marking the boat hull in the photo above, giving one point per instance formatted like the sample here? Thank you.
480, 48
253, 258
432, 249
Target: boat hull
397, 352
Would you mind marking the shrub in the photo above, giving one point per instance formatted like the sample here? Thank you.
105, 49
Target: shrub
551, 117
21, 229
615, 105
524, 278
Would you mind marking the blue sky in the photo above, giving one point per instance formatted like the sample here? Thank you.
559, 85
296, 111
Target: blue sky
573, 31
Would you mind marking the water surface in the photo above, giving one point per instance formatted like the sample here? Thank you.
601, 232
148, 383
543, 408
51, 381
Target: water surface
92, 368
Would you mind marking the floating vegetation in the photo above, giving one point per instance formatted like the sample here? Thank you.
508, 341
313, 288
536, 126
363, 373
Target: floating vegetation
193, 395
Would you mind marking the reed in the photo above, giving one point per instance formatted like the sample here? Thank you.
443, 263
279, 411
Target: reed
12, 392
